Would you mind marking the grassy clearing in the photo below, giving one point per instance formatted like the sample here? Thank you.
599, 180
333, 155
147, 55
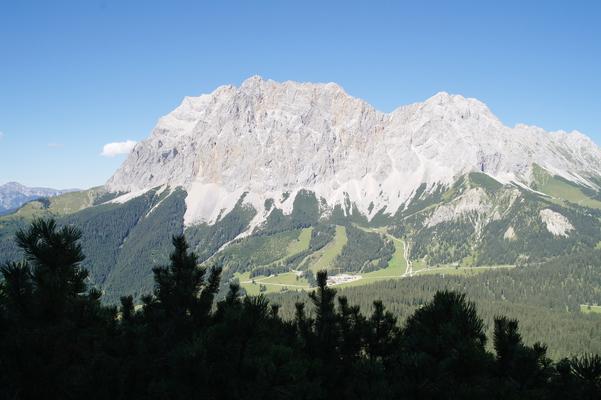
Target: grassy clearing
397, 262
589, 309
561, 189
282, 246
395, 269
327, 255
418, 265
398, 258
272, 284
74, 201
557, 188
300, 244
63, 204
287, 278
462, 271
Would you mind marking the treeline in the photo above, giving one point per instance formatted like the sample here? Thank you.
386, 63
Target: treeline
59, 341
207, 239
305, 213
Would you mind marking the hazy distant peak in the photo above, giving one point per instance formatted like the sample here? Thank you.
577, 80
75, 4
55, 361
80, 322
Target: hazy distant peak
14, 194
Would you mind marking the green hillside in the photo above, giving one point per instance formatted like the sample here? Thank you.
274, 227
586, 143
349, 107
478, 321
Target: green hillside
562, 190
123, 244
532, 274
64, 204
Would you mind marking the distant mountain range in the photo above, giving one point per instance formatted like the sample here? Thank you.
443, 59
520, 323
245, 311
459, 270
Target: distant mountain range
274, 181
13, 195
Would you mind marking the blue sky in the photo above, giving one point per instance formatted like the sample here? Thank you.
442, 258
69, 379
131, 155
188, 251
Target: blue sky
75, 76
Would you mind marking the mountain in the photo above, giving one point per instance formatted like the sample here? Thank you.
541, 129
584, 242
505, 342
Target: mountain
275, 181
13, 195
266, 138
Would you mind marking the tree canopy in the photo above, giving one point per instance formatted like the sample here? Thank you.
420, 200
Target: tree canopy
59, 341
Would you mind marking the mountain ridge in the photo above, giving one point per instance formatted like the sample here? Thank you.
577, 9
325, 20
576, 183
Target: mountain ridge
13, 195
266, 138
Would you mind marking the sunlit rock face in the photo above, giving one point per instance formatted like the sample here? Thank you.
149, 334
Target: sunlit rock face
266, 138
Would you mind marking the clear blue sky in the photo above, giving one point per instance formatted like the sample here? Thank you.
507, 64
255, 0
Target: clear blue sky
77, 75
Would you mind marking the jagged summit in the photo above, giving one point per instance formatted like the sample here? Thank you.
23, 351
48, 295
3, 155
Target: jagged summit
264, 138
456, 106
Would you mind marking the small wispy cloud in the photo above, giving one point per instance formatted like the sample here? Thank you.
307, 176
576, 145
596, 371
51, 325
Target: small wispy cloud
117, 148
1, 135
56, 145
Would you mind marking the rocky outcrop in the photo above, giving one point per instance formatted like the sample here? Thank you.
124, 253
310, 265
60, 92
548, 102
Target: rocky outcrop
556, 223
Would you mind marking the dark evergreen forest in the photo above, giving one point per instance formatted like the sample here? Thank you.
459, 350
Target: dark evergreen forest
59, 341
546, 298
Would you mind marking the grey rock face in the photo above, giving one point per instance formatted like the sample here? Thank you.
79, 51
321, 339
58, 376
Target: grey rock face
266, 138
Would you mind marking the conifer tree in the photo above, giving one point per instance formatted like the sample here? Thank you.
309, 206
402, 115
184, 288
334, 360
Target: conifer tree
55, 256
325, 316
177, 286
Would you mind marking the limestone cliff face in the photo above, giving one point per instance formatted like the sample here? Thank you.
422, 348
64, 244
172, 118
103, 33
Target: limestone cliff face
265, 138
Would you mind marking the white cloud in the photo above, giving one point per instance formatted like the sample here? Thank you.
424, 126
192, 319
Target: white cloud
1, 135
116, 148
56, 145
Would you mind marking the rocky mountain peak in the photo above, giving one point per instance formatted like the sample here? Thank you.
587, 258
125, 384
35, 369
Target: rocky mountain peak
264, 138
454, 106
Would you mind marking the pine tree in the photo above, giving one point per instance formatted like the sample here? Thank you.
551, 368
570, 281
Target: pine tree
587, 370
16, 289
178, 285
325, 316
444, 349
55, 256
54, 324
382, 332
524, 367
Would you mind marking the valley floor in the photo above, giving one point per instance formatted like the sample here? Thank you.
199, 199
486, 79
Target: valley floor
399, 266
